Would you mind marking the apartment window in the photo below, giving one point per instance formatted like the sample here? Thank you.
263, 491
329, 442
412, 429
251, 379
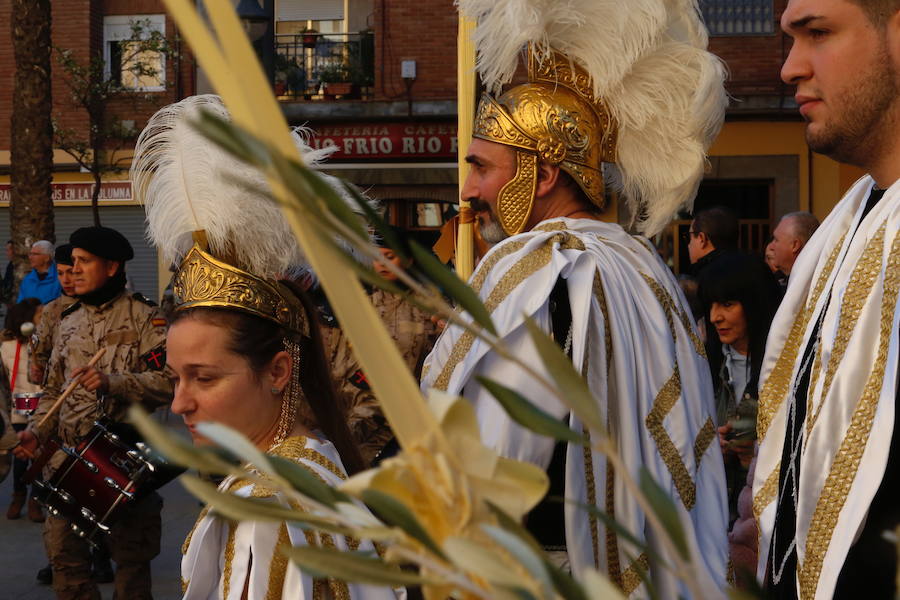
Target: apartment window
132, 53
738, 17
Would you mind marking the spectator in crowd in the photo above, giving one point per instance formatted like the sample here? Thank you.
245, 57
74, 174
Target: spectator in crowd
41, 282
741, 297
713, 232
790, 236
769, 256
14, 354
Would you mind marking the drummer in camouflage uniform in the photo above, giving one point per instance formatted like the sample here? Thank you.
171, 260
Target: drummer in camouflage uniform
133, 332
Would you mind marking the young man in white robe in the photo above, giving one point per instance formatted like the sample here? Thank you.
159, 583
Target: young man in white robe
536, 186
826, 481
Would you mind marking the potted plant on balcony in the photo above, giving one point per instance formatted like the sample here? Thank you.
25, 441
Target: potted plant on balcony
283, 65
336, 81
310, 37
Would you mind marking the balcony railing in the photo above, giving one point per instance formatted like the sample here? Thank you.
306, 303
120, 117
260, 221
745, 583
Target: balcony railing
738, 17
324, 66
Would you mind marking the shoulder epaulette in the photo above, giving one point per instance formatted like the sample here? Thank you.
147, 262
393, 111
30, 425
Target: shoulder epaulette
142, 298
68, 311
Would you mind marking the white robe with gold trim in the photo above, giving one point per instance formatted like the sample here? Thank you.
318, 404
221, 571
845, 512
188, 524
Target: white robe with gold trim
220, 555
638, 348
850, 405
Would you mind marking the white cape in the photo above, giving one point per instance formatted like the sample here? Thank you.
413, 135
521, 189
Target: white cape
635, 343
217, 552
850, 406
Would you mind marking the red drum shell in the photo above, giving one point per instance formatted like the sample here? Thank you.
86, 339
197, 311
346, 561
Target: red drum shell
26, 403
88, 489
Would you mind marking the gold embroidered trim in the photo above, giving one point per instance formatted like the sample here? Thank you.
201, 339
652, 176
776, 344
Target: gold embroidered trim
846, 462
767, 492
666, 398
184, 585
631, 578
591, 497
229, 558
704, 437
550, 226
613, 563
486, 265
613, 566
862, 280
589, 467
670, 308
776, 386
339, 589
519, 272
600, 295
278, 568
187, 540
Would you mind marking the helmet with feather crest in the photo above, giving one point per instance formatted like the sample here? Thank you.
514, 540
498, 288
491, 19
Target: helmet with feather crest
629, 84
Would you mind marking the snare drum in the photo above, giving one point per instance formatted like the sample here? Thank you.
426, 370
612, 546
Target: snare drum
26, 403
107, 471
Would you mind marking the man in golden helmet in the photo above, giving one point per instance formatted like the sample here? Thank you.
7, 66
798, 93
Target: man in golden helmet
543, 144
629, 90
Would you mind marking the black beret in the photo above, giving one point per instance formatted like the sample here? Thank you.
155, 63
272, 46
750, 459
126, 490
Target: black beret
103, 242
63, 255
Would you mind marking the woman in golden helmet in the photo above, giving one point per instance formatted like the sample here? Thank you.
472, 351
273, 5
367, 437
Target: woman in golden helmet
244, 352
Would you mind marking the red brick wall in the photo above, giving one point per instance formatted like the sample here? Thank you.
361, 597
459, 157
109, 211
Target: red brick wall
425, 31
754, 62
419, 30
78, 25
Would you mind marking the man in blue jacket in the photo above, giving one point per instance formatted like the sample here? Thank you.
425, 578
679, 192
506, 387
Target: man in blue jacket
41, 282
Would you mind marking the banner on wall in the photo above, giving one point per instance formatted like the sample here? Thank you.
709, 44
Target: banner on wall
78, 193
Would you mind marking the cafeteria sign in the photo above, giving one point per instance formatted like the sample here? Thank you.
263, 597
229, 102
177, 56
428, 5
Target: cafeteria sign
387, 140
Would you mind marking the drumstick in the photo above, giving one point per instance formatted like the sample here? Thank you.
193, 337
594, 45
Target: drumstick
70, 388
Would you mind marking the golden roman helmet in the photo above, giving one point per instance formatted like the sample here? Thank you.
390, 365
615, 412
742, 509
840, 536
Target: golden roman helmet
203, 281
555, 118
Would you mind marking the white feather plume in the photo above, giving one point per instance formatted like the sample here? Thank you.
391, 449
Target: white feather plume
647, 59
186, 183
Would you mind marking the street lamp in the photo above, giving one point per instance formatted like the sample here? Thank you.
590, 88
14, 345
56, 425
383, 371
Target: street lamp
254, 19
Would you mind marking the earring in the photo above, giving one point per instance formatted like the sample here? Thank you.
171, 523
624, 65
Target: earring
275, 391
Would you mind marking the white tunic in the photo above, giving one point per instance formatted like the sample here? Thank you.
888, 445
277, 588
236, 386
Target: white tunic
217, 552
639, 351
850, 271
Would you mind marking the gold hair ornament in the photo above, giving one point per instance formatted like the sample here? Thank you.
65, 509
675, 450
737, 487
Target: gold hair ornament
203, 281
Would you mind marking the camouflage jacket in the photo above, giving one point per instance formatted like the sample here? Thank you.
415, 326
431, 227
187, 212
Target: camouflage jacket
412, 331
44, 336
133, 332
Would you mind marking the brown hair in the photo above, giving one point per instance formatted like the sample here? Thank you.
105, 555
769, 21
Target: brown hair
258, 340
878, 11
18, 314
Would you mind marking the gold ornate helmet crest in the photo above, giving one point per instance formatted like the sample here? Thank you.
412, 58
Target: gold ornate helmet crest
555, 118
203, 281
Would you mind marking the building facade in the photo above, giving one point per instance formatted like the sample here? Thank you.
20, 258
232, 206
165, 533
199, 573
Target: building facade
376, 79
107, 30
